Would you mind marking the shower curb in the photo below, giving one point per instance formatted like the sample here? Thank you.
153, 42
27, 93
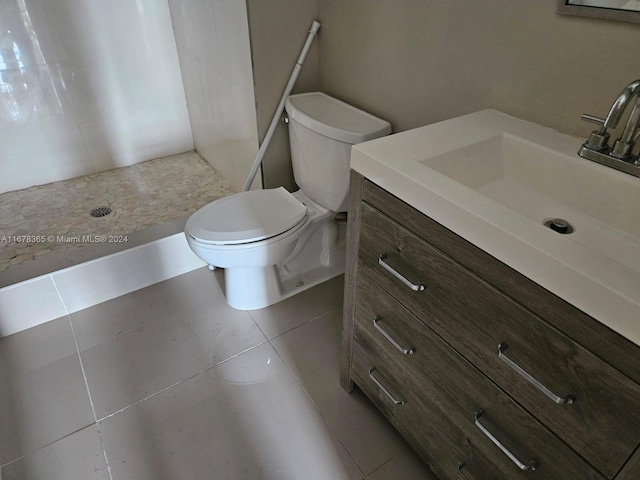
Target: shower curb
54, 295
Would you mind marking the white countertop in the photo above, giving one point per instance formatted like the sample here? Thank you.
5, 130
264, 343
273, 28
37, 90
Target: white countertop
604, 286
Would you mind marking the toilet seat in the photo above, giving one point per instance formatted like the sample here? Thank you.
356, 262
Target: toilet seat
246, 217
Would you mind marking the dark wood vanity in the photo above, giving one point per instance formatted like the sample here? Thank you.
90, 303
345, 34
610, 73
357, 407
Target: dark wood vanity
485, 373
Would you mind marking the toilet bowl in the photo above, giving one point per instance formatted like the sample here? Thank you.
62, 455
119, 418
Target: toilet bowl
257, 228
266, 262
271, 243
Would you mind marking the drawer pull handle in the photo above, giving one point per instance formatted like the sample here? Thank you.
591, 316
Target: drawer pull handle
415, 287
567, 400
461, 474
384, 389
521, 465
406, 351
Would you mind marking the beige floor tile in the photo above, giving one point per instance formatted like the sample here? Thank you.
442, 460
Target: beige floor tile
207, 395
294, 311
43, 395
406, 465
138, 344
312, 353
76, 457
244, 419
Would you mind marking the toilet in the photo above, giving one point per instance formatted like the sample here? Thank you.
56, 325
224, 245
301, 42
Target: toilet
271, 243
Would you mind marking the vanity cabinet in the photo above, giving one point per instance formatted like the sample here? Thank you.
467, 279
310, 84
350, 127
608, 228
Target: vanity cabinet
486, 374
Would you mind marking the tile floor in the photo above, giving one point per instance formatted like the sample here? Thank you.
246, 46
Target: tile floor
140, 196
170, 383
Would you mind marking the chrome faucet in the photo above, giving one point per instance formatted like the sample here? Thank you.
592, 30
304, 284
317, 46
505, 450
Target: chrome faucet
620, 156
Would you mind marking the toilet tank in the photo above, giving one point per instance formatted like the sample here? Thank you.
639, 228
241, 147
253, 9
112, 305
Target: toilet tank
321, 132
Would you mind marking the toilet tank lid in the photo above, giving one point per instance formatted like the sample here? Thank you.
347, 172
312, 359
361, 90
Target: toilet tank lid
335, 119
246, 217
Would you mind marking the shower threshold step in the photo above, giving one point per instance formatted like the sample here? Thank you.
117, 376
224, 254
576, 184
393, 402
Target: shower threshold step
68, 258
41, 291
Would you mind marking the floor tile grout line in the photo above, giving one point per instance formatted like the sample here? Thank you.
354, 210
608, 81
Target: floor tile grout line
324, 419
388, 461
3, 465
93, 409
35, 450
297, 326
98, 422
315, 405
256, 324
104, 452
75, 341
84, 376
84, 373
180, 382
383, 464
261, 343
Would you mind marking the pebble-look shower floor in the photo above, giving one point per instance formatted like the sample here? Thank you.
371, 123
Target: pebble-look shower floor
49, 218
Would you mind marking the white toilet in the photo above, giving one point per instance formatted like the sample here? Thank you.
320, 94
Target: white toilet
271, 243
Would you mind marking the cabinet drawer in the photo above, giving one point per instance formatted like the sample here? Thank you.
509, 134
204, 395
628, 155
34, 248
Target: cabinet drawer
443, 446
538, 365
454, 389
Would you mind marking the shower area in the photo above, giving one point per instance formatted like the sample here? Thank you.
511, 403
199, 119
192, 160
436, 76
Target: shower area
115, 118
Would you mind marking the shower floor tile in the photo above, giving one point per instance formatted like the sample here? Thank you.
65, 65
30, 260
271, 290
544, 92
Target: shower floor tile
56, 217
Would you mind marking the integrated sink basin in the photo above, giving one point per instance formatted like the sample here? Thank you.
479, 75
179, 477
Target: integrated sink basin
500, 182
545, 186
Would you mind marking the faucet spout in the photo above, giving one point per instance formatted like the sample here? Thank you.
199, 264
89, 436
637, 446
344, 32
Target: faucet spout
621, 155
619, 106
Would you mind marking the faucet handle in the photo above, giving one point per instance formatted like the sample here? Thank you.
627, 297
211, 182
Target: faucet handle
592, 119
599, 138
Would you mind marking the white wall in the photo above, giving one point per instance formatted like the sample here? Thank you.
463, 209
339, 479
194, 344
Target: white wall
86, 86
215, 59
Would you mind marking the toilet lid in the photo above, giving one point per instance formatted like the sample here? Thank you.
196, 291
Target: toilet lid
246, 217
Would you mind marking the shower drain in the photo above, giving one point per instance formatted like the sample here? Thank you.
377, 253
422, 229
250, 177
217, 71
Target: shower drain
100, 212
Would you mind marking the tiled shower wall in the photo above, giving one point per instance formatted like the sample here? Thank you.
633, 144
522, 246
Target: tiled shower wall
215, 58
87, 86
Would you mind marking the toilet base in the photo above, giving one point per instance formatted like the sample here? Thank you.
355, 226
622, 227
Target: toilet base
322, 258
251, 288
255, 288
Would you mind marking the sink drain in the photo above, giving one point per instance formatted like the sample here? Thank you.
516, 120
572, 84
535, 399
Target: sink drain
100, 212
559, 225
